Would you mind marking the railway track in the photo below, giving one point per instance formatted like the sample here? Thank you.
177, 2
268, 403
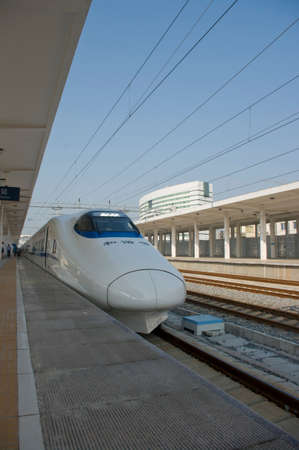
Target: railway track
212, 276
269, 316
255, 289
266, 389
244, 283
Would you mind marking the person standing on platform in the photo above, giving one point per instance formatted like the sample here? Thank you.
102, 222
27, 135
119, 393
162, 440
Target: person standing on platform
8, 250
2, 250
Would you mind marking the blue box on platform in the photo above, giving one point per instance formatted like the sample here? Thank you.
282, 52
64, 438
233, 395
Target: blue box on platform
202, 322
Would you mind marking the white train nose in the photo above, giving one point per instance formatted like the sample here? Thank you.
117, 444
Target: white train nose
144, 290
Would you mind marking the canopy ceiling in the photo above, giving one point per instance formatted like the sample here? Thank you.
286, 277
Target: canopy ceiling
38, 39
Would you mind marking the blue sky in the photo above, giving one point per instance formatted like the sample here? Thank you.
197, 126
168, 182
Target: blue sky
116, 38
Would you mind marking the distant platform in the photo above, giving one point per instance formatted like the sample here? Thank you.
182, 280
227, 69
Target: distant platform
244, 261
277, 269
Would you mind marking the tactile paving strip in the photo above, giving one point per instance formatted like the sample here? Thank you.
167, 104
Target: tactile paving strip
162, 423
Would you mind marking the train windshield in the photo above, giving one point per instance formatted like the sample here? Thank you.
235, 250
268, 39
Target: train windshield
104, 224
114, 225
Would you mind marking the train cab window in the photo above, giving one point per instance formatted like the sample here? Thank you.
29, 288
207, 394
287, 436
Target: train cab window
84, 224
104, 223
114, 224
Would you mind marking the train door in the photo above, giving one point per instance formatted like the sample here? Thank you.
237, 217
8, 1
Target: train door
46, 246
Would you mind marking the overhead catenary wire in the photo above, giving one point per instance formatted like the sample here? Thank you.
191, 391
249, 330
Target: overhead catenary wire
259, 163
175, 51
203, 136
268, 130
291, 172
198, 107
128, 86
60, 206
133, 112
264, 132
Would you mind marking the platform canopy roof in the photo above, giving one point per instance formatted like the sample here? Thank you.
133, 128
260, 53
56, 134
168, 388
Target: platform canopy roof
37, 45
279, 203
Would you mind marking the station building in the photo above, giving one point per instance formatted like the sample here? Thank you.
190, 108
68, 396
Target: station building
176, 198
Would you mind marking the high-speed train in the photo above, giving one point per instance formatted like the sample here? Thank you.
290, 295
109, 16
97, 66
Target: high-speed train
102, 255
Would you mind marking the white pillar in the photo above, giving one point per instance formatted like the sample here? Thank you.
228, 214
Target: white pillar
272, 239
238, 242
190, 242
212, 233
156, 239
196, 241
173, 241
263, 235
226, 238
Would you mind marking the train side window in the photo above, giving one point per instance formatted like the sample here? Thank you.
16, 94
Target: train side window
54, 246
84, 224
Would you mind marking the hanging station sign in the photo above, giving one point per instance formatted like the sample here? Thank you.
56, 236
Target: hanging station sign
10, 193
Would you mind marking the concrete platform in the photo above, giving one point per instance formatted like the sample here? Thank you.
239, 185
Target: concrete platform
101, 386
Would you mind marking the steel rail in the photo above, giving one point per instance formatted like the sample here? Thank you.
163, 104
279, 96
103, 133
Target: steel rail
264, 290
241, 277
268, 390
266, 309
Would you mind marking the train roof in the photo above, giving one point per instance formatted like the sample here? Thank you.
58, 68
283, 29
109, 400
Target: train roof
92, 212
107, 213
